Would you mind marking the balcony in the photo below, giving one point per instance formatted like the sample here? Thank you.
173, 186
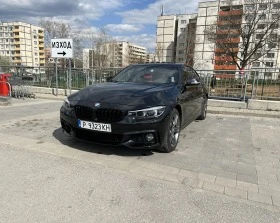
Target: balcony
228, 40
40, 34
230, 13
229, 22
41, 45
17, 42
219, 50
16, 30
42, 56
223, 58
228, 31
225, 67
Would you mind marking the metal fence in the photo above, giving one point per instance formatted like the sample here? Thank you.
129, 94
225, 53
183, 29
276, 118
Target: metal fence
261, 84
46, 76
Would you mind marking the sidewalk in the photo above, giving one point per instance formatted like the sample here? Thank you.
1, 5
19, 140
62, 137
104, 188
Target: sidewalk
211, 109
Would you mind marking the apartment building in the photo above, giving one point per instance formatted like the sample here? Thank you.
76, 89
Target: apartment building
115, 54
166, 38
174, 37
22, 43
226, 18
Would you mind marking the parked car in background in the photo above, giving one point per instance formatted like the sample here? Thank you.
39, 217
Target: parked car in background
143, 106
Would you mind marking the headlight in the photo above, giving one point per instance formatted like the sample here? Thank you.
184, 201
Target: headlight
147, 113
66, 104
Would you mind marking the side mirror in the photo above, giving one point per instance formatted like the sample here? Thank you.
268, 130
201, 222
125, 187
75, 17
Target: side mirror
192, 82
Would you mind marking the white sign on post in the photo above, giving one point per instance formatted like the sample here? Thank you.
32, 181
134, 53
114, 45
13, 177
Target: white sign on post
62, 48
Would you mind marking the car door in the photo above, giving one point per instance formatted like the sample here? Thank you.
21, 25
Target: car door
187, 97
197, 91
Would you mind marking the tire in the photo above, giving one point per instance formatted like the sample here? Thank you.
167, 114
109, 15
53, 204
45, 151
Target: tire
172, 132
203, 110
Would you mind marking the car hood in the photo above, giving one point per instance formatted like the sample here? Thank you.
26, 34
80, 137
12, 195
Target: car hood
126, 95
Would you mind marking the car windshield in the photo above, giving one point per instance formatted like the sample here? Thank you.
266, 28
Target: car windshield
154, 74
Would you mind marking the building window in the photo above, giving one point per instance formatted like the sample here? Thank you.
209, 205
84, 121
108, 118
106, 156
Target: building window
249, 7
256, 64
183, 29
274, 16
270, 55
271, 45
180, 51
258, 55
262, 17
275, 26
183, 21
261, 26
259, 36
181, 44
269, 64
35, 42
273, 37
276, 6
262, 6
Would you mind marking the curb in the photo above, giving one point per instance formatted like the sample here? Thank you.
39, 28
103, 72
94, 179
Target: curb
252, 114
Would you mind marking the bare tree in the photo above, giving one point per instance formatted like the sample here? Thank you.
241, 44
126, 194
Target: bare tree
104, 49
159, 52
54, 29
245, 33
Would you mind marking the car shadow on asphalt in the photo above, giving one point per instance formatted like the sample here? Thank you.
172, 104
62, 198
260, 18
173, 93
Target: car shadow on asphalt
99, 149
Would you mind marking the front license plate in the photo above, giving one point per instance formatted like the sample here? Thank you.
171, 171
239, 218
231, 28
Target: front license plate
101, 127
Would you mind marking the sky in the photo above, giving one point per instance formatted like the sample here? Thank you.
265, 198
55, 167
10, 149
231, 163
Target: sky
125, 20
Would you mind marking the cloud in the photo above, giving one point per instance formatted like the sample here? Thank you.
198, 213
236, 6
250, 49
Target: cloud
145, 40
91, 9
148, 15
123, 28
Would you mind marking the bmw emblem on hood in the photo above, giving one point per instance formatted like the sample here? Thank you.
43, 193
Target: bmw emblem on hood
97, 105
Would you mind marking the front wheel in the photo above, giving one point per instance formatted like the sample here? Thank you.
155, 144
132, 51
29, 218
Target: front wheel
172, 132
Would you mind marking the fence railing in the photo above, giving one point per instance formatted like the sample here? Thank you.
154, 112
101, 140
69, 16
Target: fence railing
261, 84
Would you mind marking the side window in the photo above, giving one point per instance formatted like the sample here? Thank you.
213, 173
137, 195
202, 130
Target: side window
189, 73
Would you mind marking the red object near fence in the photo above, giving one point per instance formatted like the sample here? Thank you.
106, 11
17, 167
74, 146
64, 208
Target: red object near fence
5, 87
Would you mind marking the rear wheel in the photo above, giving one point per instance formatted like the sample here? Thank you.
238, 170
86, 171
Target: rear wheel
203, 110
173, 132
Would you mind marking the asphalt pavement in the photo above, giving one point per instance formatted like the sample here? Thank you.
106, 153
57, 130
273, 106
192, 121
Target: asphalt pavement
225, 169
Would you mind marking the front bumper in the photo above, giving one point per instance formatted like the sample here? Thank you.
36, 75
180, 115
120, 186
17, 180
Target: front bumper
144, 135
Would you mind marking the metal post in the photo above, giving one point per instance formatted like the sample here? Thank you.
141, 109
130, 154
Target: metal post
245, 88
253, 85
56, 77
70, 76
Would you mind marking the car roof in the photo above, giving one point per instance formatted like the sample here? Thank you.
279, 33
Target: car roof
158, 64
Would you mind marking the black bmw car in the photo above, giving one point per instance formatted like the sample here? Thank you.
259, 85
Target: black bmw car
143, 106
